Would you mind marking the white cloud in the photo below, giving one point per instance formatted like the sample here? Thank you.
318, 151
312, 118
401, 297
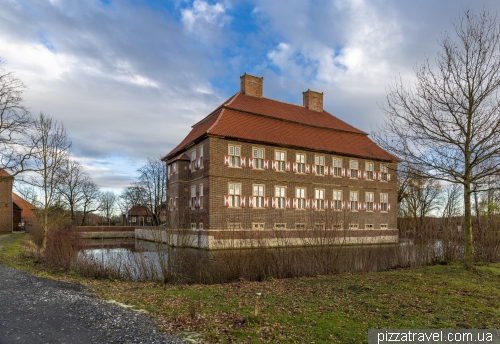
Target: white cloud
202, 13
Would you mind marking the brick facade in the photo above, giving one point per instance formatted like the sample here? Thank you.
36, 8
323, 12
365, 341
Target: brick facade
200, 176
6, 206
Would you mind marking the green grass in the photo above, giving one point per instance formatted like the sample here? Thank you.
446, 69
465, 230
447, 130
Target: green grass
324, 309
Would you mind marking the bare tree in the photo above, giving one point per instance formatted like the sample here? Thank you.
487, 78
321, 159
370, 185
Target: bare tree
107, 204
15, 124
51, 144
448, 122
153, 183
89, 202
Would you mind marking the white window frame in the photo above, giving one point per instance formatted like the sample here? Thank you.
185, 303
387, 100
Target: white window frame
234, 153
370, 201
384, 171
383, 226
319, 198
337, 167
300, 225
234, 195
384, 200
300, 195
193, 225
300, 159
234, 225
258, 155
369, 168
280, 158
353, 225
279, 225
319, 161
201, 156
354, 171
193, 159
258, 226
280, 196
354, 199
369, 226
201, 196
337, 198
258, 193
319, 226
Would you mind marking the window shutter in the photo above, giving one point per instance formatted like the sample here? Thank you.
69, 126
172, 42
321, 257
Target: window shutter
273, 202
388, 207
226, 160
287, 166
250, 162
287, 203
189, 167
295, 203
307, 203
326, 205
266, 164
294, 165
388, 177
348, 173
326, 170
242, 161
378, 206
250, 201
314, 204
313, 167
189, 203
343, 205
331, 171
364, 174
266, 202
348, 206
360, 206
175, 204
379, 175
307, 168
243, 201
364, 206
168, 173
226, 200
273, 165
343, 172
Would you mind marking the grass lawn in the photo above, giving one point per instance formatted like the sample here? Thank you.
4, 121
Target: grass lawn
323, 309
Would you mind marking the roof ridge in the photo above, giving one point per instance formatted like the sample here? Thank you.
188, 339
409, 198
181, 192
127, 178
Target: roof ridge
216, 121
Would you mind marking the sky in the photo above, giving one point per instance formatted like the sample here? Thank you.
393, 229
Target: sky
128, 79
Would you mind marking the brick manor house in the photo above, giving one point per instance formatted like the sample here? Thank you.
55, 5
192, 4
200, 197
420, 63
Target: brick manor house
256, 166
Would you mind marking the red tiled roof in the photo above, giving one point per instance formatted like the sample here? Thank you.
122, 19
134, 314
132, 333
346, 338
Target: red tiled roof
285, 124
138, 210
26, 207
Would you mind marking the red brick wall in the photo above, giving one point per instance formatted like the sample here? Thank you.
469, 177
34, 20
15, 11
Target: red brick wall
6, 205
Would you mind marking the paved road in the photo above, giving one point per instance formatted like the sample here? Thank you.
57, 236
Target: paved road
37, 310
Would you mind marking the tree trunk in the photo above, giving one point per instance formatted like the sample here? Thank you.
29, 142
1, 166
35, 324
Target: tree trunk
469, 257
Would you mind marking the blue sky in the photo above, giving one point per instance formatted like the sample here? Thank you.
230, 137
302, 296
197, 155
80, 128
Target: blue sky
129, 78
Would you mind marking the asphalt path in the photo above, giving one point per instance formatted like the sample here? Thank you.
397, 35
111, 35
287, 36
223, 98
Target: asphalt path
38, 310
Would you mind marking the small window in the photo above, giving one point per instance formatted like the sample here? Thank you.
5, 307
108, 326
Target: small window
300, 194
234, 156
383, 201
369, 170
383, 226
369, 199
337, 200
337, 167
234, 195
280, 195
280, 226
201, 197
319, 199
201, 225
201, 156
353, 198
234, 225
193, 160
319, 161
258, 158
258, 226
280, 161
258, 196
354, 168
193, 196
134, 219
337, 225
174, 167
193, 226
300, 226
368, 226
383, 172
319, 226
301, 163
353, 226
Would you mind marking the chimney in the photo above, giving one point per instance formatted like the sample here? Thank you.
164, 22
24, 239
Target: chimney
251, 85
313, 100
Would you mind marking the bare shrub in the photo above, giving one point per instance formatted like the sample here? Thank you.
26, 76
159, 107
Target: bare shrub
62, 247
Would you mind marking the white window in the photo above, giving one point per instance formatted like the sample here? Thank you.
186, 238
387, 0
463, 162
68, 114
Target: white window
201, 156
235, 156
280, 194
353, 164
337, 225
368, 225
337, 167
319, 226
337, 200
280, 226
234, 225
258, 158
134, 219
300, 194
193, 226
201, 225
383, 172
301, 163
383, 201
319, 161
369, 170
193, 159
353, 226
280, 161
174, 167
258, 226
383, 226
258, 196
300, 226
319, 198
353, 198
369, 199
201, 197
193, 196
234, 195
